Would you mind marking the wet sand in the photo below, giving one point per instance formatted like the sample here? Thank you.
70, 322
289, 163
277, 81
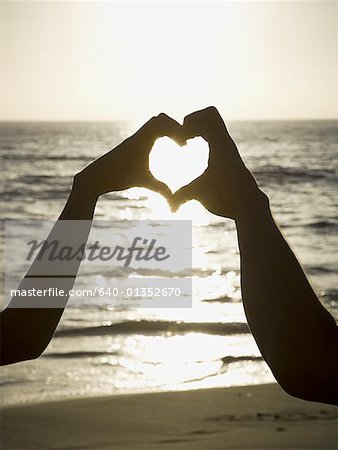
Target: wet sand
251, 417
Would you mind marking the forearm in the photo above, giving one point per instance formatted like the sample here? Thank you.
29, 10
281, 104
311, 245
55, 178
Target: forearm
81, 202
290, 325
26, 329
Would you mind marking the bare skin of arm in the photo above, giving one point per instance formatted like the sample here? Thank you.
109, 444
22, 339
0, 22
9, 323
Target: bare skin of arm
26, 332
296, 335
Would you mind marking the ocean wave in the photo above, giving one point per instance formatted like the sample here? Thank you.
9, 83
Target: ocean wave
31, 195
48, 179
77, 354
313, 270
323, 225
5, 147
35, 157
286, 174
226, 361
222, 299
234, 359
330, 295
155, 327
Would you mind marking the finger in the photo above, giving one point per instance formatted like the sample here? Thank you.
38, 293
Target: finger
197, 122
159, 187
192, 125
166, 126
206, 123
163, 125
183, 195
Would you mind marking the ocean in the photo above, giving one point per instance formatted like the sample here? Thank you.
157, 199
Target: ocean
105, 350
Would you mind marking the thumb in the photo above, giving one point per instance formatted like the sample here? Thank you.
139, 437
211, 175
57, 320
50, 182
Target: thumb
159, 187
183, 195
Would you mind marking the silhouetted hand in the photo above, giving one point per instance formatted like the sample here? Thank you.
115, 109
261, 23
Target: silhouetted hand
127, 165
226, 185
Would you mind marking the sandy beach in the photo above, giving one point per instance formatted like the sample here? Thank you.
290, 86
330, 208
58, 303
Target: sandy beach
251, 417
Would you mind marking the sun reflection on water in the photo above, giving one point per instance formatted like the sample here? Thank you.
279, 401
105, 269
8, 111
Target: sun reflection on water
187, 361
176, 360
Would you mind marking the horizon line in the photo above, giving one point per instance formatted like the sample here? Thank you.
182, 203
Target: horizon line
299, 119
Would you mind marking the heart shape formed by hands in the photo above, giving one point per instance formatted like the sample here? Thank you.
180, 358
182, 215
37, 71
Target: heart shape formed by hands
177, 166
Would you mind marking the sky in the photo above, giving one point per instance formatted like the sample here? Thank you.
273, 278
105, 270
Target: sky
131, 60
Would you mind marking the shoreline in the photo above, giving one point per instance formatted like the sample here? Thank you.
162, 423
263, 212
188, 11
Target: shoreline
60, 398
245, 417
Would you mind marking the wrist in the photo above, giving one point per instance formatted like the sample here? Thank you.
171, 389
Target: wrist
254, 205
82, 188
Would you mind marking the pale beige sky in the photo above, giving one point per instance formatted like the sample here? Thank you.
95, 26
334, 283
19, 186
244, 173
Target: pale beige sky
125, 60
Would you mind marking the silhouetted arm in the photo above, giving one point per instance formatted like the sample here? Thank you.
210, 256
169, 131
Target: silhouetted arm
295, 334
26, 329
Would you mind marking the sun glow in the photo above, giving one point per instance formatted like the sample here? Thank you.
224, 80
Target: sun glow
130, 60
177, 166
